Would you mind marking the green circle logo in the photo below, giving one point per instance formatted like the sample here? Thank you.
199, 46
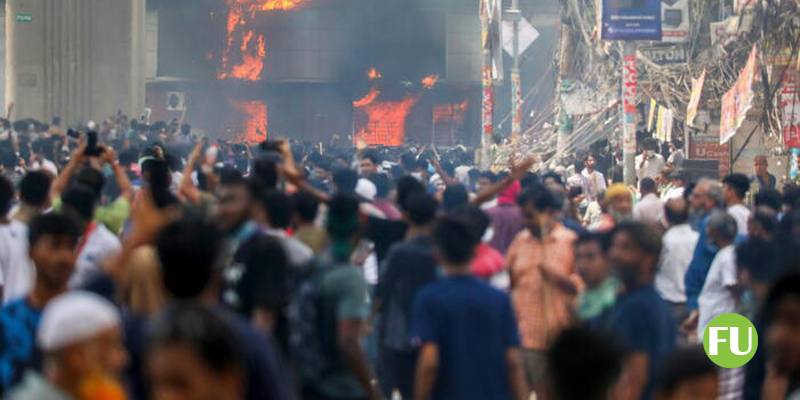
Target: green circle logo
730, 340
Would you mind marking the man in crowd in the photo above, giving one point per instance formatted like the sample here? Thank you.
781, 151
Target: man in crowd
506, 218
52, 241
543, 279
409, 266
761, 178
80, 335
705, 198
688, 374
734, 190
368, 164
678, 245
640, 318
34, 196
649, 209
718, 294
466, 330
617, 207
593, 182
306, 229
649, 164
16, 271
591, 262
677, 184
782, 313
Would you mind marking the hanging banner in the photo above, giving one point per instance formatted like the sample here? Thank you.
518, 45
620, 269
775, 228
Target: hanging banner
694, 98
491, 18
789, 107
651, 114
674, 21
630, 19
664, 125
738, 100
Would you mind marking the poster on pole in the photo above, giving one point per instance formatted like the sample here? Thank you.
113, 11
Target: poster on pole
694, 98
630, 20
738, 100
674, 21
789, 107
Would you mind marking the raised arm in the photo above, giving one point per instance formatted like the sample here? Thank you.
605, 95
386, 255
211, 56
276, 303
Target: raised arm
62, 180
123, 182
518, 171
187, 188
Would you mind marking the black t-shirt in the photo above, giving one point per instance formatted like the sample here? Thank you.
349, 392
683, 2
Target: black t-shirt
384, 233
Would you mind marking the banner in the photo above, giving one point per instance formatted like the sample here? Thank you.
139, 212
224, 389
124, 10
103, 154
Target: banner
789, 107
492, 35
674, 21
630, 19
664, 124
738, 100
694, 98
651, 114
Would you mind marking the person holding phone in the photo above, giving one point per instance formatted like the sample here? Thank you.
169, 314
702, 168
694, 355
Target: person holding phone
649, 164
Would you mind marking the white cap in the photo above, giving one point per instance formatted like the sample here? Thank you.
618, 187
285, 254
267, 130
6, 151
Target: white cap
366, 189
74, 317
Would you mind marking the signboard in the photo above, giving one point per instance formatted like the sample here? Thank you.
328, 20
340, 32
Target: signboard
674, 21
24, 18
789, 107
738, 100
663, 55
694, 98
527, 34
630, 19
707, 147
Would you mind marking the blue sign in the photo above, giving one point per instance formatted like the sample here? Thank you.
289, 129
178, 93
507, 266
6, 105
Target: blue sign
630, 20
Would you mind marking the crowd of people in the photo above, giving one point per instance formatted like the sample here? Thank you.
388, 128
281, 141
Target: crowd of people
139, 261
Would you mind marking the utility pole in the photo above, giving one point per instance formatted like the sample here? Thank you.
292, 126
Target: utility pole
629, 88
514, 16
487, 88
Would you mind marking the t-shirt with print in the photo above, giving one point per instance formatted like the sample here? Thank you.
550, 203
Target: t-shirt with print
344, 296
18, 350
16, 269
643, 322
473, 325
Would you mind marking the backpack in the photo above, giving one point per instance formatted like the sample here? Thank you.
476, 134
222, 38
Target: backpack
305, 314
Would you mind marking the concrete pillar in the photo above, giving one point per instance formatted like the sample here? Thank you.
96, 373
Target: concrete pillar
77, 59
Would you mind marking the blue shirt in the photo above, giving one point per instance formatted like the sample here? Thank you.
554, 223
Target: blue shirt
695, 276
18, 351
643, 322
473, 325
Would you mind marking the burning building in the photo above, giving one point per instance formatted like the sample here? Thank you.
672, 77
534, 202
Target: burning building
388, 72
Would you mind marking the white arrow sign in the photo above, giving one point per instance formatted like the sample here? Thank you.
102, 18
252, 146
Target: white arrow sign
527, 34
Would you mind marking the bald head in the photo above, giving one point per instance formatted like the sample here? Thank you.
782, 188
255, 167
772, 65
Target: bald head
676, 211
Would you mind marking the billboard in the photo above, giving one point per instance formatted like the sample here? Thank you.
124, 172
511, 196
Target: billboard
630, 19
738, 100
675, 21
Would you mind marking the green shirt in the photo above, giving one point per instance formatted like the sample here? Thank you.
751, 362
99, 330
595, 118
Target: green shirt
113, 215
594, 302
344, 293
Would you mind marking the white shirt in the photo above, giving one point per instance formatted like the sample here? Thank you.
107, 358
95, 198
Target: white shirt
649, 209
674, 193
716, 297
16, 267
741, 214
652, 167
592, 183
100, 245
676, 254
298, 252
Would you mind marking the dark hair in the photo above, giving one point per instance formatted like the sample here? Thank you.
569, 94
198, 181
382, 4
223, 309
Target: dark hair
488, 175
674, 214
767, 218
91, 178
279, 208
34, 188
760, 258
682, 365
372, 156
647, 185
540, 197
602, 239
420, 208
81, 199
196, 327
454, 240
52, 225
554, 176
230, 176
343, 216
306, 205
382, 185
454, 196
650, 144
592, 358
6, 195
574, 192
644, 235
345, 180
189, 250
406, 186
473, 216
739, 183
787, 285
265, 171
769, 198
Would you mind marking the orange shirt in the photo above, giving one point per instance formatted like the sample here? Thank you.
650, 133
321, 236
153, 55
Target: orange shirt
542, 307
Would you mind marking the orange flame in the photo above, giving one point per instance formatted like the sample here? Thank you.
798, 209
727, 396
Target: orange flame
450, 113
373, 74
383, 123
285, 5
254, 129
430, 81
367, 99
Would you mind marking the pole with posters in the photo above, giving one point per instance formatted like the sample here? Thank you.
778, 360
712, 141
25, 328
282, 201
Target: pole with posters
629, 86
514, 15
